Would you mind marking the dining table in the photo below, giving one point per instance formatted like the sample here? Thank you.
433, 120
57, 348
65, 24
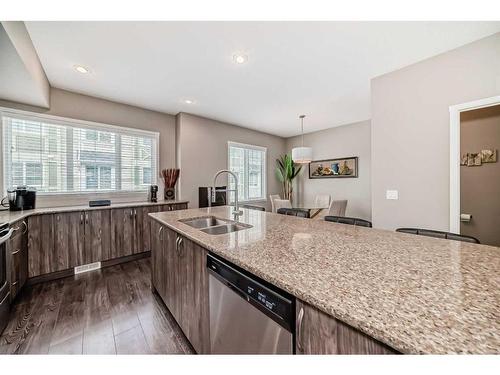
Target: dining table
313, 209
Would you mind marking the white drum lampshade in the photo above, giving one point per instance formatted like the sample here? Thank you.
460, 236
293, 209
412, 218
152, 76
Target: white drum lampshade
302, 154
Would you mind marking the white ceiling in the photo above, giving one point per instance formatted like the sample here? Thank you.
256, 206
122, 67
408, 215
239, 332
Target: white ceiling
321, 69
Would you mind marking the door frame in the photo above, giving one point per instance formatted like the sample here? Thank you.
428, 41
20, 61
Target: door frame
455, 111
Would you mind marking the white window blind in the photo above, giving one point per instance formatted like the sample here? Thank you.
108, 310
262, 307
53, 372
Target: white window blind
71, 157
249, 164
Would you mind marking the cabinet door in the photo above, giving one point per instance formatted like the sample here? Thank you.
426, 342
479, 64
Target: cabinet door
319, 333
69, 240
143, 228
40, 244
122, 232
97, 236
157, 259
18, 258
193, 287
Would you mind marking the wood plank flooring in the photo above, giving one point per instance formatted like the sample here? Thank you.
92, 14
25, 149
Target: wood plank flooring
110, 311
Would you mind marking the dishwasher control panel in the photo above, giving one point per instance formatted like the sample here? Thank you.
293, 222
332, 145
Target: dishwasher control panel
270, 299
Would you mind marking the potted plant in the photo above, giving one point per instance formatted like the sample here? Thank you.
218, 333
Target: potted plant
286, 172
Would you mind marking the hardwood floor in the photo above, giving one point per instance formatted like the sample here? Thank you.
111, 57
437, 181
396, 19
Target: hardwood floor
110, 311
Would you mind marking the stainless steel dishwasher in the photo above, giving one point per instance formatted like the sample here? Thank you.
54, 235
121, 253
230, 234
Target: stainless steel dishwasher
246, 316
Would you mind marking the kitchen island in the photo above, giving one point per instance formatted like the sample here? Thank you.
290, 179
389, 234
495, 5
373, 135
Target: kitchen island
391, 292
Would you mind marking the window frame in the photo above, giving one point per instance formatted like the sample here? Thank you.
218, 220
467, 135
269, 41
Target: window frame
86, 125
264, 169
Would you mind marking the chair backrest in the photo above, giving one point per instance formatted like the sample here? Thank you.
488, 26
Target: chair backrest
337, 208
438, 234
349, 220
252, 207
294, 212
322, 200
272, 198
281, 203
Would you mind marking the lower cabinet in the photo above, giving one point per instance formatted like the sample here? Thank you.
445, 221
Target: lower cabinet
62, 241
319, 333
17, 258
181, 279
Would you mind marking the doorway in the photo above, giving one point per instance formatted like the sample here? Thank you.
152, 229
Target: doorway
480, 174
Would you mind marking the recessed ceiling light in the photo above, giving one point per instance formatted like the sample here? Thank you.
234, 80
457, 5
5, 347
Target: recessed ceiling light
81, 69
188, 101
239, 58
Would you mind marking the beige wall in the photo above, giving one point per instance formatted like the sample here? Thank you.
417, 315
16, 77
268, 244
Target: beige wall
410, 131
348, 140
83, 107
202, 151
480, 186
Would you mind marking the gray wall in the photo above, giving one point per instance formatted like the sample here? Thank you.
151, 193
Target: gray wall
348, 140
202, 151
410, 131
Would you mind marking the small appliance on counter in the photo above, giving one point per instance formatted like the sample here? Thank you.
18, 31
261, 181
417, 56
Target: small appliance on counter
20, 198
153, 193
204, 194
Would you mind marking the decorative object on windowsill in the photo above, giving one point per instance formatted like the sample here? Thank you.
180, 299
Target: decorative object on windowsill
286, 172
170, 177
334, 168
475, 159
302, 154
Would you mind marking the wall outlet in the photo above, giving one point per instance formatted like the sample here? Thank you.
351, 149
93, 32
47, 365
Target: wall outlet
87, 267
391, 194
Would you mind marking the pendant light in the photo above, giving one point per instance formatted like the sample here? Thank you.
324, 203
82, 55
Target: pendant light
302, 155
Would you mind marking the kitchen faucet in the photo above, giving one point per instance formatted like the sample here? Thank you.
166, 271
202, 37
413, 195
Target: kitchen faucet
236, 211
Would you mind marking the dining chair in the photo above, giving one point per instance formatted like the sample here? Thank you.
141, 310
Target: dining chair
272, 198
281, 203
439, 234
294, 212
252, 207
322, 200
349, 220
337, 208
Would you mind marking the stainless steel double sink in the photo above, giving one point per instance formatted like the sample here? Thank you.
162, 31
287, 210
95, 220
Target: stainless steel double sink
213, 225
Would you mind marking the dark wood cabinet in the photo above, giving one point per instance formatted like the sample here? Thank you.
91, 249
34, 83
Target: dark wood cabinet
97, 236
193, 296
41, 258
69, 231
62, 241
122, 232
319, 333
143, 228
180, 277
17, 258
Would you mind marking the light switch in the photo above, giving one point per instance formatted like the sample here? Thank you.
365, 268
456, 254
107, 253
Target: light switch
391, 194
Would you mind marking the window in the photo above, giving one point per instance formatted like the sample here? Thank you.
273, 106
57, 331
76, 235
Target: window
249, 164
59, 156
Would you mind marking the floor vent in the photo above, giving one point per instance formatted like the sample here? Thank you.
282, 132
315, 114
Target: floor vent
87, 267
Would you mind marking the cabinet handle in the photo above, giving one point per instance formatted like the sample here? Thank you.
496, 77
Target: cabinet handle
25, 227
131, 212
135, 212
160, 231
179, 249
81, 217
299, 330
86, 217
14, 283
15, 252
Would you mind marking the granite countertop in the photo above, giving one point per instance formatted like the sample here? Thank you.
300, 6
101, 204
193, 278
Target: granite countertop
11, 217
416, 294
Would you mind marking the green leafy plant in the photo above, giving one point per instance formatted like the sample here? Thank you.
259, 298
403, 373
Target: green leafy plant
286, 172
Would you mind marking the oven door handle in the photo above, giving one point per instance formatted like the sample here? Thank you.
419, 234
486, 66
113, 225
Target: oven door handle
7, 236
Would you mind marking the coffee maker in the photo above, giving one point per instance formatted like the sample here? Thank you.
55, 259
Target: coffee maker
20, 198
153, 193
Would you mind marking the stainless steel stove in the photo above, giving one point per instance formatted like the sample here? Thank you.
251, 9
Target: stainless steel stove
5, 233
